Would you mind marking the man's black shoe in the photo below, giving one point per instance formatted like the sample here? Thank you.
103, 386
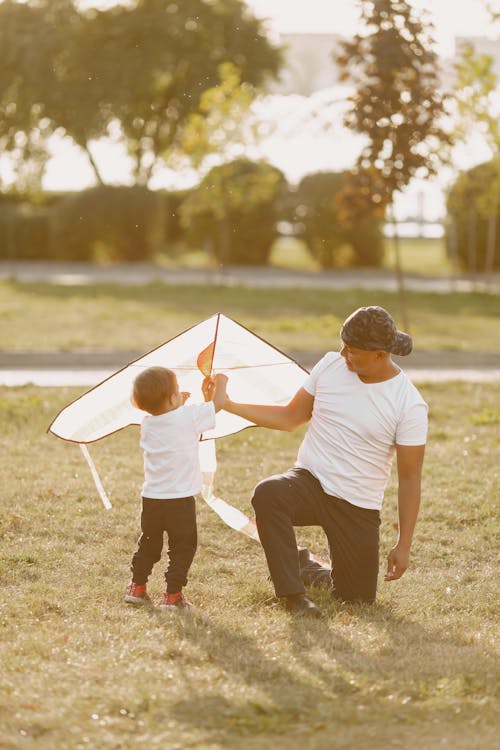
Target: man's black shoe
312, 573
299, 604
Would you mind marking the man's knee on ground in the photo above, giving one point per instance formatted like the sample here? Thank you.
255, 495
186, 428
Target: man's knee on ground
264, 494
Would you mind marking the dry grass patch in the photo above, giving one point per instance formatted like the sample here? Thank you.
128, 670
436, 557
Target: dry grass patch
107, 317
80, 669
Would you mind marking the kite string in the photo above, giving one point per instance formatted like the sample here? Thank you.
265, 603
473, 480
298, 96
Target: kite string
215, 343
97, 480
193, 368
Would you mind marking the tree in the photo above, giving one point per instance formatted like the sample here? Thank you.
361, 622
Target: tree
135, 72
28, 45
397, 106
493, 7
224, 121
476, 91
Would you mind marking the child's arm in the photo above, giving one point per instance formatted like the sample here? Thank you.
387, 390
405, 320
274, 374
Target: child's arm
214, 389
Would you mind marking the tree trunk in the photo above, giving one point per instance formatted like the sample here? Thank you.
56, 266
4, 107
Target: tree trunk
93, 163
160, 221
490, 248
225, 242
10, 225
472, 243
403, 309
453, 250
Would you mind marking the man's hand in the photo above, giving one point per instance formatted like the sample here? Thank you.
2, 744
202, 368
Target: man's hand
220, 379
397, 562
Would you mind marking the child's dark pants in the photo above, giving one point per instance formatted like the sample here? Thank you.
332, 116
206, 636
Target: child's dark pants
177, 518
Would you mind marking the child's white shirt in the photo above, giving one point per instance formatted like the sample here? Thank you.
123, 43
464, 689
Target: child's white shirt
170, 444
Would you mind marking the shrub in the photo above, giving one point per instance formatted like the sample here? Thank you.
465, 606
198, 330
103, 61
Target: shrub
24, 231
332, 243
234, 211
174, 232
107, 223
471, 200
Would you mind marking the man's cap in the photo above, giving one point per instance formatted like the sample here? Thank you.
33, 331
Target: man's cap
373, 328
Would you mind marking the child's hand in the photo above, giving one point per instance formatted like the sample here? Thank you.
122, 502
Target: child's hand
207, 388
220, 379
185, 395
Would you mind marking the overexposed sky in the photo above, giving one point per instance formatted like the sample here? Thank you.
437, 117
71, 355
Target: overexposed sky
70, 168
451, 17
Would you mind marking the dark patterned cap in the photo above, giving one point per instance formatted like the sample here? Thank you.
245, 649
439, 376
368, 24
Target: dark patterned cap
373, 329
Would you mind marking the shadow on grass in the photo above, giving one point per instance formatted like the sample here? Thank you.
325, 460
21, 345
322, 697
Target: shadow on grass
326, 679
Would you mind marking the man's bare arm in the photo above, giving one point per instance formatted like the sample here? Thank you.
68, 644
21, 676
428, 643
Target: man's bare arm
287, 418
410, 459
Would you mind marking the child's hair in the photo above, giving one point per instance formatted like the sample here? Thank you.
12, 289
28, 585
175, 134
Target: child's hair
152, 387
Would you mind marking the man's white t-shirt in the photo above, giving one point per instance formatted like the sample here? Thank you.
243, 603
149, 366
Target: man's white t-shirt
354, 430
170, 444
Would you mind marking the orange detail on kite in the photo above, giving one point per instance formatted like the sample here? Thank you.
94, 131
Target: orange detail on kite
205, 360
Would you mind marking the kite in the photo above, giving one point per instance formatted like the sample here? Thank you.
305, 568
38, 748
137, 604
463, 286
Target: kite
258, 373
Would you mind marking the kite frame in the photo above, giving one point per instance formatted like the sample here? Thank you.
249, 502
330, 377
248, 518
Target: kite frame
155, 348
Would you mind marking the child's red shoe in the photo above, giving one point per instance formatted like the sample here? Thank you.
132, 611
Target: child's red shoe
175, 601
136, 593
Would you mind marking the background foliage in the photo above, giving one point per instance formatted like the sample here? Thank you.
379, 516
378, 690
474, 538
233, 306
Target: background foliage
331, 241
235, 209
133, 73
470, 210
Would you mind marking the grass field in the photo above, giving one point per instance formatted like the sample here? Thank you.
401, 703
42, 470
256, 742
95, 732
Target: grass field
44, 316
420, 256
80, 669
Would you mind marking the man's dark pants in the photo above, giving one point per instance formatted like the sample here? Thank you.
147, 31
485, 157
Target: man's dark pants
296, 498
177, 518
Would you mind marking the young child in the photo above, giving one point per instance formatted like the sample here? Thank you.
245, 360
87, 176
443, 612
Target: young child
172, 476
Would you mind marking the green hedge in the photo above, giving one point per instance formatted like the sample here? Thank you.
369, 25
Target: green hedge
24, 231
234, 211
102, 223
314, 213
107, 223
470, 201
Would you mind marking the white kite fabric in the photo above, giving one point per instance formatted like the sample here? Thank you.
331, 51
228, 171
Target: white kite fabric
258, 373
231, 516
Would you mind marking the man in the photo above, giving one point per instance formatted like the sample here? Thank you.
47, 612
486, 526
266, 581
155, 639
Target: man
362, 409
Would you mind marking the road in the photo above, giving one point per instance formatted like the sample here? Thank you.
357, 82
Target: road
249, 276
86, 368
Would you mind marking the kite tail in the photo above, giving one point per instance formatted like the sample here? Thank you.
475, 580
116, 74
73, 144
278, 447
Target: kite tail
231, 516
96, 477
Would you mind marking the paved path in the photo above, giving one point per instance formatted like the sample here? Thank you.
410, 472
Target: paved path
86, 368
259, 277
